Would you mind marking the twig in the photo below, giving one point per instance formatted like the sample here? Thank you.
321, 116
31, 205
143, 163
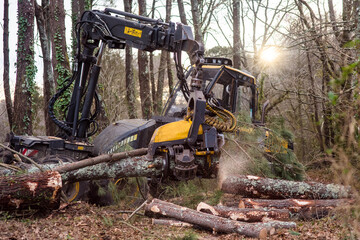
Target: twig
138, 185
128, 211
138, 229
10, 167
136, 210
27, 158
17, 158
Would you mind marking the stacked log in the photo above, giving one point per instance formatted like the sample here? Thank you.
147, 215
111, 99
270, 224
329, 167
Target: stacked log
304, 200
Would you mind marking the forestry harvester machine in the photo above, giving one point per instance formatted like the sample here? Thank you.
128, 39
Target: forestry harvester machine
188, 134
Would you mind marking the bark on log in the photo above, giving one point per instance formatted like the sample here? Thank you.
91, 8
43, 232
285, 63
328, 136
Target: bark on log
129, 167
245, 214
170, 222
160, 208
257, 187
293, 203
100, 159
299, 208
35, 191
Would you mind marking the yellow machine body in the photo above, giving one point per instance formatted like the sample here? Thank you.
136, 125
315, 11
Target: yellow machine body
173, 131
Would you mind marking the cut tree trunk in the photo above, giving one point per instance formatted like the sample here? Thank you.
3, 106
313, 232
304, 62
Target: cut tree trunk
105, 166
293, 203
245, 214
257, 187
30, 191
299, 208
218, 224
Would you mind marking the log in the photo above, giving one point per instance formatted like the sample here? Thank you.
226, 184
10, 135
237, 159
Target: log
245, 214
218, 224
257, 187
101, 159
170, 222
299, 208
129, 167
293, 203
139, 166
39, 190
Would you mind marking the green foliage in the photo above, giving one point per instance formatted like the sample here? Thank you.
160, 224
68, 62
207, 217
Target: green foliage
26, 56
190, 193
219, 51
266, 150
63, 75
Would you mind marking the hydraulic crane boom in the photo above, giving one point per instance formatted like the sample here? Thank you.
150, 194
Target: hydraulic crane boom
98, 29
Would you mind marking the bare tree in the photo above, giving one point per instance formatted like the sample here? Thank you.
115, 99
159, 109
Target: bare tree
144, 80
42, 19
236, 33
6, 63
129, 74
165, 63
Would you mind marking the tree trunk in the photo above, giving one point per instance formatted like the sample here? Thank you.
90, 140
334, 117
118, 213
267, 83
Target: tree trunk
218, 224
245, 214
236, 34
144, 80
110, 166
26, 69
77, 9
31, 191
168, 59
151, 59
60, 59
6, 64
196, 20
169, 72
182, 12
42, 21
251, 186
160, 83
129, 74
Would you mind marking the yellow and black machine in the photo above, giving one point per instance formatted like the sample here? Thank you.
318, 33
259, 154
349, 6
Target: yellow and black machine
189, 133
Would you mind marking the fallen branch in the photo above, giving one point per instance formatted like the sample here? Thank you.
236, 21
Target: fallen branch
245, 214
257, 187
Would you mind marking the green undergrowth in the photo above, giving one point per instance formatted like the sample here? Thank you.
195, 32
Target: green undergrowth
191, 193
264, 150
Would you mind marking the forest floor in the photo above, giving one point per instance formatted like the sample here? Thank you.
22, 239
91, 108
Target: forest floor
81, 220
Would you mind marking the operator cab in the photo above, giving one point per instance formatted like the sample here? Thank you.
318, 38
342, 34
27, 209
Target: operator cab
231, 88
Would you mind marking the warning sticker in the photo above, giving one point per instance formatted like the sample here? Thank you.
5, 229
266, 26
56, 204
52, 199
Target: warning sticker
133, 32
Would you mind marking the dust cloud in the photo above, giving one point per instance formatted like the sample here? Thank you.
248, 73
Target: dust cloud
233, 160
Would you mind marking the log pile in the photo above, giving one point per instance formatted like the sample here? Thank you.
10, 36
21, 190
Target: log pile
303, 200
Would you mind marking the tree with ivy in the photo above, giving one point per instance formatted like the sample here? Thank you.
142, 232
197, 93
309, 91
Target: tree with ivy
60, 59
26, 69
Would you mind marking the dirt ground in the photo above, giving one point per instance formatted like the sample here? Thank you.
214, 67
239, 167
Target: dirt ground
81, 220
